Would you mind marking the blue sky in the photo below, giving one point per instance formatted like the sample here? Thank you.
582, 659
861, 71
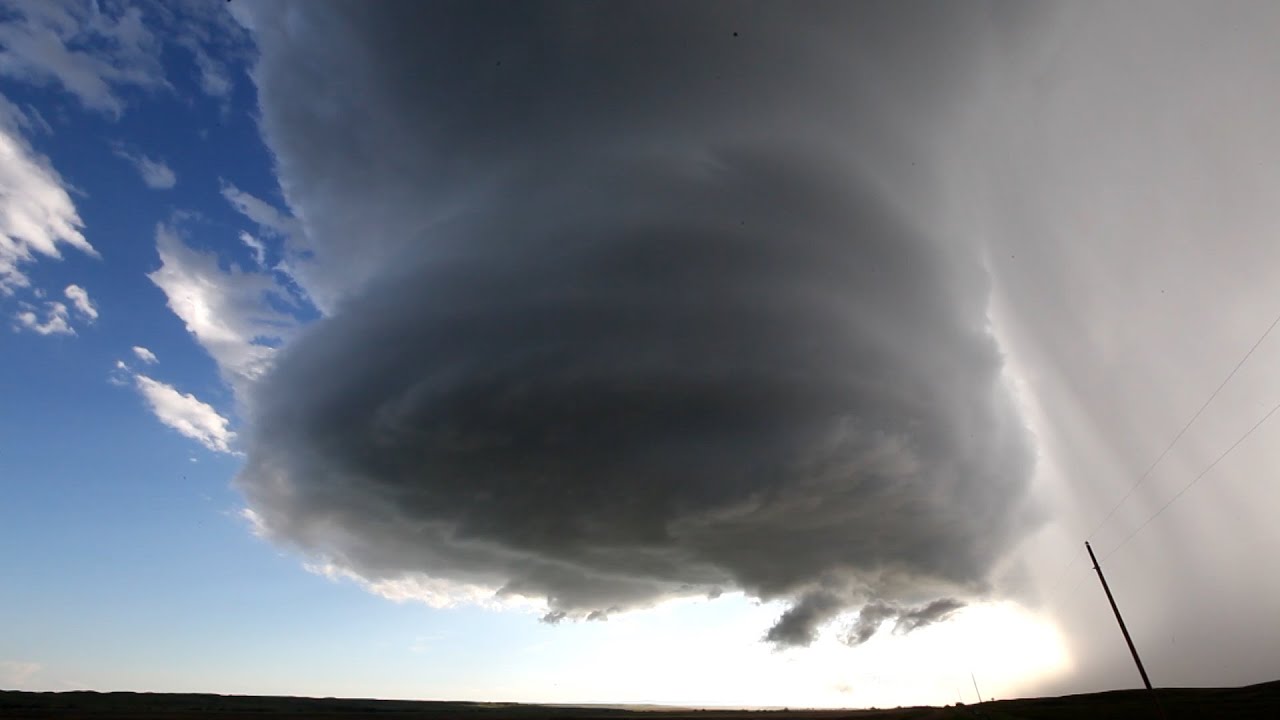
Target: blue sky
233, 236
127, 560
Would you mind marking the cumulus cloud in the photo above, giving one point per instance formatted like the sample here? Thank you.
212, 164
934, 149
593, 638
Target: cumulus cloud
87, 49
37, 215
79, 297
187, 414
52, 319
238, 317
630, 306
145, 355
156, 174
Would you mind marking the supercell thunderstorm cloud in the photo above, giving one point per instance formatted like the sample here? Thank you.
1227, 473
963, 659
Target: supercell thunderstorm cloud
625, 304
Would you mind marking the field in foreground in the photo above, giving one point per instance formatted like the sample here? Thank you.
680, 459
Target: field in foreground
1246, 703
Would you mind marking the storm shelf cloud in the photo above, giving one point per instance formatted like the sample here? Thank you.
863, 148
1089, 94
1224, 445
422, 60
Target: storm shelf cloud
624, 309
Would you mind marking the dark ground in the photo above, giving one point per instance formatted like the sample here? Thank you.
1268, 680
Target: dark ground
1246, 703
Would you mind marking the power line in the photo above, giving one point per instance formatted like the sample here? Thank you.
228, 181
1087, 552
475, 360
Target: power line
1160, 458
1196, 479
1183, 431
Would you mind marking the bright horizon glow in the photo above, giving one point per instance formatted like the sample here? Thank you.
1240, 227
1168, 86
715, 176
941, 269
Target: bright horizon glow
1007, 647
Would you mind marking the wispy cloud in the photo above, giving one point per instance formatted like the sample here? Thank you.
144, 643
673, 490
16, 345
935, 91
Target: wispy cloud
187, 414
214, 80
255, 246
266, 216
55, 319
79, 297
145, 355
37, 215
81, 47
419, 587
156, 174
229, 312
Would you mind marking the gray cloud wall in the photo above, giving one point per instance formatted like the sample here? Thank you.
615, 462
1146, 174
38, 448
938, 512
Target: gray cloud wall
632, 301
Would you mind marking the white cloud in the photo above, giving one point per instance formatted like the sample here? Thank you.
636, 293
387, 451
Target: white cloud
78, 46
145, 355
156, 174
55, 319
256, 246
37, 215
228, 311
187, 414
256, 526
16, 674
80, 298
216, 42
265, 215
213, 74
437, 593
120, 374
297, 261
36, 120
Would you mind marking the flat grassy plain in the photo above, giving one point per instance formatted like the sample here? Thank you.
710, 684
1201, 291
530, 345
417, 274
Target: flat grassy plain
1244, 703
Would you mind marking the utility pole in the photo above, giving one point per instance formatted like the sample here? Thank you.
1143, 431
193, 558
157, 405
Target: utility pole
1137, 660
1133, 650
975, 687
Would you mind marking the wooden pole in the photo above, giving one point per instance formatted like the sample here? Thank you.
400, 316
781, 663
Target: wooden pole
1133, 650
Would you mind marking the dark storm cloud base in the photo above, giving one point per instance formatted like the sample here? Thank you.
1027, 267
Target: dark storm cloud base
623, 309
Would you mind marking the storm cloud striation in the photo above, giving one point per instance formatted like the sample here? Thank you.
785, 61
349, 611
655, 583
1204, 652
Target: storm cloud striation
627, 302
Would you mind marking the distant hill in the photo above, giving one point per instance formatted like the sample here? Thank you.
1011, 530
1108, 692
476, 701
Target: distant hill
1261, 702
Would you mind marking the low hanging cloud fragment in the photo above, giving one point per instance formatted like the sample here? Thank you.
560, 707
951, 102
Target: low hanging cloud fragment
867, 624
627, 307
799, 625
874, 614
936, 611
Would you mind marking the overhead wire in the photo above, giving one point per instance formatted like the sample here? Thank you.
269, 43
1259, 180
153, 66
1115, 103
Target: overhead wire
1168, 448
1187, 426
1194, 480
